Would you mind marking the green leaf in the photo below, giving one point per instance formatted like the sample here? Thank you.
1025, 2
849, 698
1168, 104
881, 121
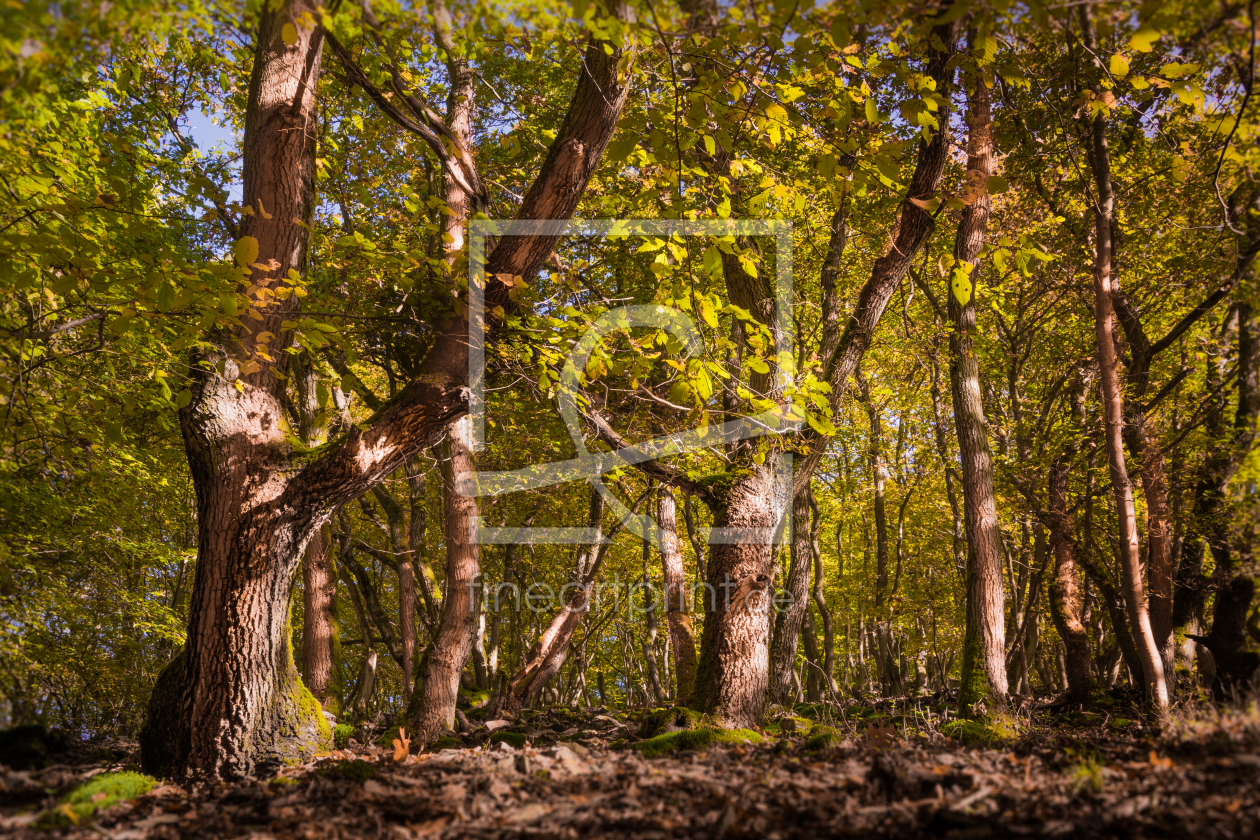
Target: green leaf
1178, 71
183, 398
165, 297
1118, 66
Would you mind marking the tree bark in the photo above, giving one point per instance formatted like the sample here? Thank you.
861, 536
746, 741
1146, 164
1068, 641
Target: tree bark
731, 677
787, 623
984, 662
1113, 404
432, 710
321, 636
677, 600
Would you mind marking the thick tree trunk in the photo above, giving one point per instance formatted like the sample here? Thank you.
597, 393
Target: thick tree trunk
432, 709
1113, 408
984, 662
787, 623
734, 647
677, 600
321, 637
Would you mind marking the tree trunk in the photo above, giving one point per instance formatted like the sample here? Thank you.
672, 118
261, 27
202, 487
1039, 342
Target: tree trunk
787, 623
1113, 406
733, 667
432, 709
984, 663
820, 600
677, 600
1065, 593
321, 637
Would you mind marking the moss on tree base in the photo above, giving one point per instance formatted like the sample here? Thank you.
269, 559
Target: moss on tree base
290, 731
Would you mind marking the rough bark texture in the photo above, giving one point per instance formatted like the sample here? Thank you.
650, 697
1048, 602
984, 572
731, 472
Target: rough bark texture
787, 622
259, 503
677, 603
734, 647
984, 662
1113, 407
432, 709
321, 643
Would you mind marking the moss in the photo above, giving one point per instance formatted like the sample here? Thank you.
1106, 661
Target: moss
694, 739
341, 734
974, 689
97, 794
791, 725
823, 738
354, 770
476, 698
619, 744
514, 739
447, 743
659, 721
809, 710
1121, 723
985, 731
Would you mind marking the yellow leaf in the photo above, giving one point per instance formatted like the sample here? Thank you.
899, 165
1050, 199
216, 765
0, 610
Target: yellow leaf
288, 33
245, 251
1119, 66
402, 745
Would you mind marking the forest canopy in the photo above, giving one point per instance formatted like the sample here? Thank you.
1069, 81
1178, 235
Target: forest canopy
890, 350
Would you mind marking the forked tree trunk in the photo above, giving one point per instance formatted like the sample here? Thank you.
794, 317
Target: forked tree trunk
432, 709
984, 662
1113, 407
233, 697
787, 621
677, 599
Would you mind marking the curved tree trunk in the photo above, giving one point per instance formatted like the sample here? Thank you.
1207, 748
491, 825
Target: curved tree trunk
677, 600
984, 661
234, 698
1113, 405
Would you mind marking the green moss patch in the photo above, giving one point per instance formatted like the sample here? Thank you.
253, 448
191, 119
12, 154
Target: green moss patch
514, 739
97, 794
446, 743
809, 710
1121, 723
823, 738
353, 770
660, 721
694, 739
341, 734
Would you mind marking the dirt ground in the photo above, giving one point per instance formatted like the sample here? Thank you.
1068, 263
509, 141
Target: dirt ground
875, 774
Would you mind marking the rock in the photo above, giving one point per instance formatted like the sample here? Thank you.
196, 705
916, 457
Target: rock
495, 725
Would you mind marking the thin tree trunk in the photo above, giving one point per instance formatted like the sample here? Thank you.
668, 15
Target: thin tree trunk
1113, 405
677, 601
820, 599
787, 623
984, 664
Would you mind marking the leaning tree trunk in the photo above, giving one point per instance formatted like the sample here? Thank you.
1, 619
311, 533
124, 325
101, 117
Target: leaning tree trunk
233, 697
787, 623
677, 601
984, 661
432, 709
1113, 408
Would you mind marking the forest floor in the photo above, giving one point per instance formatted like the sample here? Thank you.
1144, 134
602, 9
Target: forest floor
883, 770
